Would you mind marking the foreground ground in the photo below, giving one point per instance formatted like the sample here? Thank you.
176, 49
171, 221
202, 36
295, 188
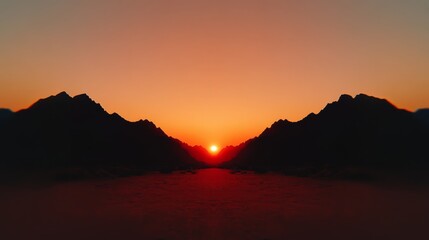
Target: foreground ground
214, 204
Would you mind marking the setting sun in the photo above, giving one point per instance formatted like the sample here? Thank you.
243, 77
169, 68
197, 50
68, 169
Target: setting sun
214, 149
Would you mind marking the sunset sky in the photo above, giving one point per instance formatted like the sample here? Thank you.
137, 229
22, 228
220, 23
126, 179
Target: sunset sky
214, 72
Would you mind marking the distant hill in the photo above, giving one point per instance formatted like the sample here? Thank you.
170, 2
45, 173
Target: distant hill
75, 132
362, 132
201, 154
229, 152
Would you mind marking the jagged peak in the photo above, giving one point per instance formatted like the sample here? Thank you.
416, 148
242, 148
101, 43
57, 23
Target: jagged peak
280, 122
309, 116
361, 99
345, 98
63, 101
63, 94
82, 96
364, 97
277, 124
61, 97
357, 98
380, 102
116, 115
150, 124
85, 100
146, 122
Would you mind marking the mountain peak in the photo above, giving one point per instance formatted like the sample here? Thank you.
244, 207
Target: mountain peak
149, 125
366, 98
83, 100
374, 103
309, 117
146, 122
64, 106
360, 101
363, 132
345, 98
60, 132
82, 96
53, 101
280, 123
63, 94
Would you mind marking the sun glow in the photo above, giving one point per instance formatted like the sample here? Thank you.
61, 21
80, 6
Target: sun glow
214, 149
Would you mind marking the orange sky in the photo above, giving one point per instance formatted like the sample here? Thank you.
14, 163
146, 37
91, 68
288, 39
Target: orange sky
214, 72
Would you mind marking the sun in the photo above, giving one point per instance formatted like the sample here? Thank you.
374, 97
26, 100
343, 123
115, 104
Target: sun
214, 149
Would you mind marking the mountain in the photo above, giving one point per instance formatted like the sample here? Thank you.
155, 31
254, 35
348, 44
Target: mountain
63, 132
229, 152
201, 154
423, 115
363, 132
5, 114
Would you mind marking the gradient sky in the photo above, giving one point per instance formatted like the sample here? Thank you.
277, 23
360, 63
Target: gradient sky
214, 72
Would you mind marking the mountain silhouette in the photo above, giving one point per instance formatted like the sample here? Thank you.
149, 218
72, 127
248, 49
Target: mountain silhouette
362, 132
61, 132
202, 154
5, 114
423, 115
199, 152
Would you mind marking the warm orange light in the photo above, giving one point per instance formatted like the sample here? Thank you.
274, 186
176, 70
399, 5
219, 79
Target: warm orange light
214, 149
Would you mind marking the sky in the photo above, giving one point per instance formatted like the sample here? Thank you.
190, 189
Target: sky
214, 72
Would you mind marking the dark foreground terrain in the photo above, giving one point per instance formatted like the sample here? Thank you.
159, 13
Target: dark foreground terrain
214, 204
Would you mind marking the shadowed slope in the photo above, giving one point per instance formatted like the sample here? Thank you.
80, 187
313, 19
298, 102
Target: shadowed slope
423, 115
364, 132
61, 132
5, 114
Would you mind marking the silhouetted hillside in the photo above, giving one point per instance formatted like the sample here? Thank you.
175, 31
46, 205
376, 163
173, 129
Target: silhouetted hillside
229, 152
65, 132
423, 115
198, 152
5, 114
362, 132
225, 154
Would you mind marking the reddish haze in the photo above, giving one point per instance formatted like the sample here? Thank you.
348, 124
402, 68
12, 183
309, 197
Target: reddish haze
222, 155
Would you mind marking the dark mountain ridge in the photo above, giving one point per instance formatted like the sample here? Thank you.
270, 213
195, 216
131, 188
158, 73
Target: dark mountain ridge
361, 132
202, 154
4, 115
423, 115
75, 132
